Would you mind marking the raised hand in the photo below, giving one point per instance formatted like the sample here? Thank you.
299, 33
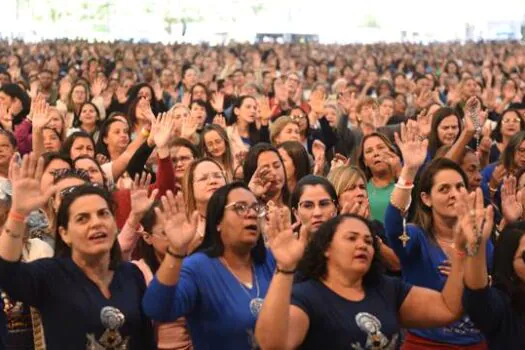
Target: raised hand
286, 245
317, 101
474, 221
220, 121
511, 204
217, 102
424, 121
413, 149
40, 113
358, 208
140, 201
121, 94
161, 129
393, 162
98, 86
338, 161
189, 127
186, 99
265, 109
179, 230
64, 89
259, 184
486, 142
25, 179
157, 90
101, 159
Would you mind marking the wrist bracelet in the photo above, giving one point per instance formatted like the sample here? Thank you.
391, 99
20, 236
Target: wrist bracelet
285, 272
176, 256
15, 216
144, 132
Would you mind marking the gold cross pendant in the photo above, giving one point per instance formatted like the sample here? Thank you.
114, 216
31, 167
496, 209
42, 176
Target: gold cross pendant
404, 238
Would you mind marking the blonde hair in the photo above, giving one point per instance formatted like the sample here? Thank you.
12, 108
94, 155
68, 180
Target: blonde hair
344, 177
63, 132
278, 125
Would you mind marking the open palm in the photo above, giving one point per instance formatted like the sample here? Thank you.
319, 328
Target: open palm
413, 149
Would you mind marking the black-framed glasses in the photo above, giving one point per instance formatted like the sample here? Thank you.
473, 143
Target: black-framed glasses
242, 208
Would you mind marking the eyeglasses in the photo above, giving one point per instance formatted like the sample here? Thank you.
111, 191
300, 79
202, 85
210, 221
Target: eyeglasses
205, 177
323, 204
511, 120
182, 159
297, 117
242, 208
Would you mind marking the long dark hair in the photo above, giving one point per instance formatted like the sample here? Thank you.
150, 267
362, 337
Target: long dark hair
61, 248
212, 244
68, 143
250, 166
101, 146
299, 156
312, 180
77, 123
313, 265
496, 133
147, 251
254, 133
433, 140
505, 277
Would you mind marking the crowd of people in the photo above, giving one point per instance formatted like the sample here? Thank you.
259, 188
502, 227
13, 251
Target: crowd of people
262, 196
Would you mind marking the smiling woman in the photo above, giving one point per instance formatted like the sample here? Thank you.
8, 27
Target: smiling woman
86, 274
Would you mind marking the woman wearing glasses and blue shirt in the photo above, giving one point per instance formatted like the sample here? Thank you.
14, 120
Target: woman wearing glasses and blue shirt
220, 288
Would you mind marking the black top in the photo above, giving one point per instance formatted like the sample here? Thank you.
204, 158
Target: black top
71, 304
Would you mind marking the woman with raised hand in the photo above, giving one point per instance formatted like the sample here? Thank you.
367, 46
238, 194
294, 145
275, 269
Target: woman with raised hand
427, 247
87, 298
345, 300
219, 289
497, 309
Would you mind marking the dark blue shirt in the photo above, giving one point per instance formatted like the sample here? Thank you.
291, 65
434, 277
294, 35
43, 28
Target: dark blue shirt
492, 313
70, 304
338, 323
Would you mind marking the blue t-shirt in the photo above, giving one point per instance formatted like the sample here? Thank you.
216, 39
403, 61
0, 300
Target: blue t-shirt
338, 323
215, 304
71, 305
419, 266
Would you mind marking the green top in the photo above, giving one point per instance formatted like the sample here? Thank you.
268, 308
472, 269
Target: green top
379, 197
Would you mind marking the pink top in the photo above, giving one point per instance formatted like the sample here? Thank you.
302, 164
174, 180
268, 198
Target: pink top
172, 335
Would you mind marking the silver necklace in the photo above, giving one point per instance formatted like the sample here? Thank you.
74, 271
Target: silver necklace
255, 303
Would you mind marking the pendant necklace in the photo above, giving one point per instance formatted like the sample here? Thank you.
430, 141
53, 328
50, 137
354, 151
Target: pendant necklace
255, 303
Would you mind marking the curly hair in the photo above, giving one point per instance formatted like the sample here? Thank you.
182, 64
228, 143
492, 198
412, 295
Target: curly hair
314, 264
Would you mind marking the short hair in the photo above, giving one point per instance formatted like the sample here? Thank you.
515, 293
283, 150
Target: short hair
343, 177
68, 143
278, 125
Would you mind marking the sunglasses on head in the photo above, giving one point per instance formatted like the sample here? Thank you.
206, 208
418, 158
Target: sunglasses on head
72, 189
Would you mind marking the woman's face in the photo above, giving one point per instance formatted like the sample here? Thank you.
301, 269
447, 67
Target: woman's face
290, 132
448, 130
118, 137
48, 176
179, 115
198, 112
400, 105
315, 207
56, 122
247, 111
356, 193
444, 193
373, 150
145, 94
352, 248
469, 88
82, 146
89, 165
510, 124
472, 168
51, 140
88, 115
299, 117
190, 78
6, 151
270, 161
239, 229
181, 157
207, 178
215, 144
331, 116
79, 95
199, 93
288, 165
92, 229
519, 156
519, 263
157, 238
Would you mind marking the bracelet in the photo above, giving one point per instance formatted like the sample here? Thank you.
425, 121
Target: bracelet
491, 189
176, 256
403, 187
144, 132
285, 272
403, 182
15, 216
398, 207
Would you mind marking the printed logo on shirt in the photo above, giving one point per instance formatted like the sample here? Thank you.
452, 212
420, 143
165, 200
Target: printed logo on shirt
375, 339
112, 319
463, 327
